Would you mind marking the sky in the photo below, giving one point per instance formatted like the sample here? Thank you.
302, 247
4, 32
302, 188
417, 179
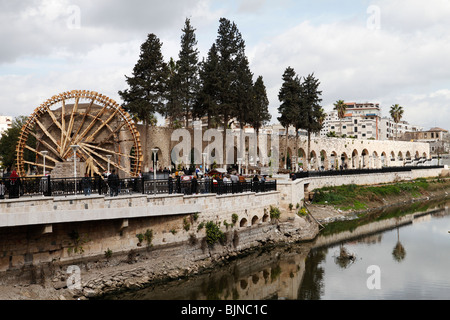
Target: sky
382, 51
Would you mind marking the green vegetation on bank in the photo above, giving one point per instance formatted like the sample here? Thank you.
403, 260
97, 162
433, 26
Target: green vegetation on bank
353, 197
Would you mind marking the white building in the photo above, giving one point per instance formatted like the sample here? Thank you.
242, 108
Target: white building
5, 123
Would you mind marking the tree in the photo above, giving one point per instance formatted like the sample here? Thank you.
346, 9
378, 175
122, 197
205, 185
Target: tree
230, 48
311, 109
207, 103
173, 110
147, 85
396, 113
8, 143
188, 70
289, 96
340, 107
259, 114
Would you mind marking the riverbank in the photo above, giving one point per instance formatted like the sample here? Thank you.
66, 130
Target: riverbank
350, 201
153, 264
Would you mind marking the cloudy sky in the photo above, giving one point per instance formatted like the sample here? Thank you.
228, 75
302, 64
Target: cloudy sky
385, 51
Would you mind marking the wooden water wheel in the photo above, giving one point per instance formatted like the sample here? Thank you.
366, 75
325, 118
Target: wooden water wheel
104, 133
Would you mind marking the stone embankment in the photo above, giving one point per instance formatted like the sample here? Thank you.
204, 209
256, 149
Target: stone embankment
92, 278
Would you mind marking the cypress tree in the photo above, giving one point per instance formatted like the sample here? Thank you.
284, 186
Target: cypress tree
188, 70
147, 85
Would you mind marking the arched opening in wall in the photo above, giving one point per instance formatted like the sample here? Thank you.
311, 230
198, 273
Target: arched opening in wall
333, 162
243, 223
408, 156
314, 162
424, 155
255, 220
243, 284
344, 161
375, 160
383, 159
255, 278
417, 155
324, 165
392, 156
287, 159
265, 217
355, 159
400, 156
301, 160
365, 158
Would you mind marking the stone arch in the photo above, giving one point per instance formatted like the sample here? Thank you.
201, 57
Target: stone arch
324, 160
424, 155
417, 155
334, 161
355, 159
392, 156
383, 159
302, 158
314, 161
408, 155
365, 163
255, 220
400, 156
376, 163
287, 162
243, 223
265, 217
344, 160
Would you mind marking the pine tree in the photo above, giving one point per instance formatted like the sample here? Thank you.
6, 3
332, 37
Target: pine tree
207, 103
289, 96
173, 108
311, 110
147, 85
259, 114
230, 46
188, 70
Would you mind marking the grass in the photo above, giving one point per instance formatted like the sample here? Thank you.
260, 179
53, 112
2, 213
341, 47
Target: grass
353, 197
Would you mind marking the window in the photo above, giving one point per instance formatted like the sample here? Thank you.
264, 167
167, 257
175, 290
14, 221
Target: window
356, 129
344, 127
356, 121
363, 126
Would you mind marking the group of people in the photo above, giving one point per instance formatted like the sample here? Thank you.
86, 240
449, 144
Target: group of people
12, 186
112, 180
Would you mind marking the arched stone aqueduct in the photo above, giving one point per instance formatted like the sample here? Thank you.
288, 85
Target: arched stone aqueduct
331, 153
327, 152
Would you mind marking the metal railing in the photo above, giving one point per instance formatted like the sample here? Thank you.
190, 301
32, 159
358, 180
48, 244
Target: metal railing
47, 186
319, 173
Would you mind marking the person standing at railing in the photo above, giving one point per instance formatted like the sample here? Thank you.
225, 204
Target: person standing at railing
194, 185
14, 185
113, 182
170, 183
86, 182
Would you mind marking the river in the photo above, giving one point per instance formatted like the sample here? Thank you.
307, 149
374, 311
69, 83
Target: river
396, 253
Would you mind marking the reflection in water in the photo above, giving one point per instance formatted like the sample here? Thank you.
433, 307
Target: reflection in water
334, 266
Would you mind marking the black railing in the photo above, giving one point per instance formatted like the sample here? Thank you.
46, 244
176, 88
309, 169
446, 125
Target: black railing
321, 173
47, 186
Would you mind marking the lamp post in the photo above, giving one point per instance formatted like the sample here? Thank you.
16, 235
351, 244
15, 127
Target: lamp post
44, 154
74, 149
109, 161
204, 162
155, 151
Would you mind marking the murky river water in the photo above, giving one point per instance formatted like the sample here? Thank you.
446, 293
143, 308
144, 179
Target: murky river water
400, 253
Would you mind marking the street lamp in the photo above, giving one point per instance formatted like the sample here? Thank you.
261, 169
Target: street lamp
239, 160
74, 149
155, 151
109, 161
44, 154
204, 162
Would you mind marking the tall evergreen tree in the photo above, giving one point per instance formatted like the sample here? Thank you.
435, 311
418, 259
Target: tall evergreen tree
259, 114
173, 110
311, 110
230, 47
188, 70
207, 103
289, 96
147, 85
